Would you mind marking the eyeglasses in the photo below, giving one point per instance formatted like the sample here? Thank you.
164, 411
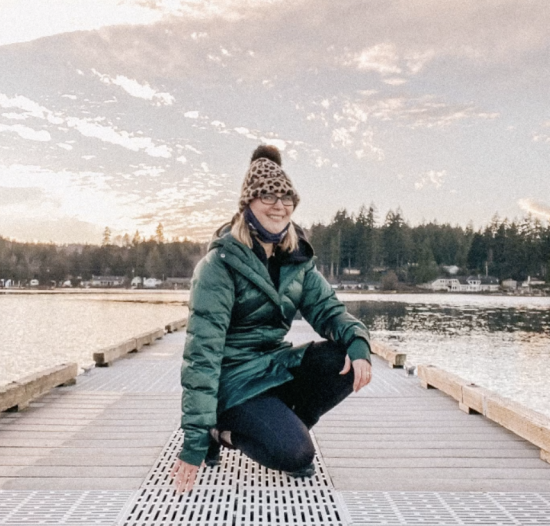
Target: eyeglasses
271, 199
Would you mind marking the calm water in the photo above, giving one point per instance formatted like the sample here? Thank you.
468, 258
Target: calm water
499, 342
40, 330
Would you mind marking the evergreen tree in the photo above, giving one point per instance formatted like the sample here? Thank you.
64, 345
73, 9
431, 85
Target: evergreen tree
106, 236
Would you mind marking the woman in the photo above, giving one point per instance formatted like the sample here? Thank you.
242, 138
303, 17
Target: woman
245, 387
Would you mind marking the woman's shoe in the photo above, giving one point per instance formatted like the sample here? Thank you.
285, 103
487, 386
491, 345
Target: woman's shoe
303, 473
223, 438
212, 458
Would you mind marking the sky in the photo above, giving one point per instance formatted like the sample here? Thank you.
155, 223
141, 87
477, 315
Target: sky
130, 113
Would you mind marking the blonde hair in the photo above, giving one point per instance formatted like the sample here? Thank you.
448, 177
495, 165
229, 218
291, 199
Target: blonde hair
241, 232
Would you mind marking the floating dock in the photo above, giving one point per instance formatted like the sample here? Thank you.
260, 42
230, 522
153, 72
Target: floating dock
99, 453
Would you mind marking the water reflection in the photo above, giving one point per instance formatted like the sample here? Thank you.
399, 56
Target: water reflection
40, 330
450, 320
501, 347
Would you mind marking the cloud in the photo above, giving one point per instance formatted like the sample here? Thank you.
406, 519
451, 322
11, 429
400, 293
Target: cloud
27, 133
46, 18
57, 196
395, 81
14, 116
16, 196
149, 171
426, 111
539, 209
432, 178
86, 127
416, 60
231, 10
382, 58
29, 108
135, 89
542, 135
89, 128
63, 230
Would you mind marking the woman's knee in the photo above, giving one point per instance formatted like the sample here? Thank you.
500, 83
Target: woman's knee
297, 458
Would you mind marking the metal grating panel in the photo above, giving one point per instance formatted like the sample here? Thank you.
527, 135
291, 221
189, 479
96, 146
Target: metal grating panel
163, 507
231, 506
238, 492
287, 507
527, 508
61, 508
431, 508
234, 468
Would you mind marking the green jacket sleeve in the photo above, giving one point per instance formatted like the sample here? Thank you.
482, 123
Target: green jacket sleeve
210, 304
329, 318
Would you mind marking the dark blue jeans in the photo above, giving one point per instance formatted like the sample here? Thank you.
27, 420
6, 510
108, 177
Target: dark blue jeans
273, 428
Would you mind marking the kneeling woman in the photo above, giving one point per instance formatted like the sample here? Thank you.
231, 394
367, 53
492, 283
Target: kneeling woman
243, 385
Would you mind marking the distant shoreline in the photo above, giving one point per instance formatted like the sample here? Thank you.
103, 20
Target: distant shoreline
185, 292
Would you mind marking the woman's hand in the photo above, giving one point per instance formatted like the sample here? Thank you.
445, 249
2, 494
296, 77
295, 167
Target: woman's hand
362, 372
184, 476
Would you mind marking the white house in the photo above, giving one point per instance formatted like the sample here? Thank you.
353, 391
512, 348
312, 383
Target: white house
465, 284
152, 283
533, 282
107, 281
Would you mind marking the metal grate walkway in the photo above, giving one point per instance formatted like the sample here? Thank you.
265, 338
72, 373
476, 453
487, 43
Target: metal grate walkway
99, 453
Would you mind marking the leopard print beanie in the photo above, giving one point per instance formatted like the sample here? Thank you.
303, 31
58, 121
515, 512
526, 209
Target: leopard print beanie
265, 176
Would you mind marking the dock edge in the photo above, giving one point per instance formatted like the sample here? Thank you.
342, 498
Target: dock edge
524, 422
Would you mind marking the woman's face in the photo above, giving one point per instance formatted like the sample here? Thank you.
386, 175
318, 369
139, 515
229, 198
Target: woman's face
274, 218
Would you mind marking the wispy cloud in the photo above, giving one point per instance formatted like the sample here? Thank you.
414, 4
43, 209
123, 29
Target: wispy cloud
86, 127
90, 128
543, 134
426, 111
431, 178
539, 209
29, 108
27, 133
135, 89
382, 58
386, 60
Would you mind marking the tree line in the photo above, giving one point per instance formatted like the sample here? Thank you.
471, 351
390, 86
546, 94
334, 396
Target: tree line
128, 257
417, 254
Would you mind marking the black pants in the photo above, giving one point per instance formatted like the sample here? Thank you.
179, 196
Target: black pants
273, 428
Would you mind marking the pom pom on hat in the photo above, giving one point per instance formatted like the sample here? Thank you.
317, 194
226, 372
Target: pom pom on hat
268, 152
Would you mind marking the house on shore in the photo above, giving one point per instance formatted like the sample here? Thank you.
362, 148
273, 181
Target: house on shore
107, 281
464, 284
509, 284
531, 284
178, 283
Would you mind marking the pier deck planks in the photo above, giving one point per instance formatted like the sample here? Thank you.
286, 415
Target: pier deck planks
106, 432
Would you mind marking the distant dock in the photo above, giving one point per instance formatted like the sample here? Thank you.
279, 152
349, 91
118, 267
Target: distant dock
99, 452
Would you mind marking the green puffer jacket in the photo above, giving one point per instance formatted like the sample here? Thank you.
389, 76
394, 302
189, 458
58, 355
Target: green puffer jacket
235, 346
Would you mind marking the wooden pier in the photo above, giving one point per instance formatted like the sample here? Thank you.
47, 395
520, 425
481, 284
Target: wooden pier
99, 453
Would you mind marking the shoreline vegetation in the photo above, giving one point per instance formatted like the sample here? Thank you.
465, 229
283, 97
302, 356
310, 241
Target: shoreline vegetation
352, 248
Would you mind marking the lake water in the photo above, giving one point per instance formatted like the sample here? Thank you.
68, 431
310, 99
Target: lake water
39, 330
499, 342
